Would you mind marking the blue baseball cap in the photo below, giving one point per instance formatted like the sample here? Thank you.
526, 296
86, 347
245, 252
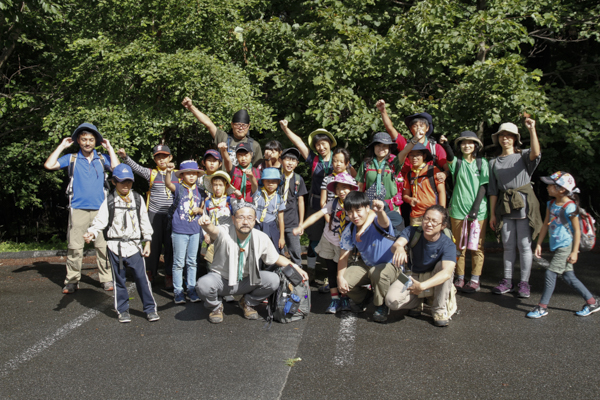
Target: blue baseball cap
87, 127
269, 173
122, 173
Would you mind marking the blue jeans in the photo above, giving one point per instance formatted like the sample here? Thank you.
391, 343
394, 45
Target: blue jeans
571, 280
185, 251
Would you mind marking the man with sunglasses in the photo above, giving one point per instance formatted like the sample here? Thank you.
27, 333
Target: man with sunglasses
240, 126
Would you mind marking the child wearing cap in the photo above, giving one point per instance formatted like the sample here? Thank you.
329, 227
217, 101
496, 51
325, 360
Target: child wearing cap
562, 220
217, 206
185, 211
124, 220
292, 193
244, 176
424, 188
158, 201
270, 207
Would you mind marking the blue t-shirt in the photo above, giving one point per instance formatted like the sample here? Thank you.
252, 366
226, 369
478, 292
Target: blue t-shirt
317, 178
374, 248
560, 235
182, 223
88, 180
275, 205
426, 254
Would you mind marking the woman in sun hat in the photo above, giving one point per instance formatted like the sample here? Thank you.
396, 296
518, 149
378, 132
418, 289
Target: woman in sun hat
515, 210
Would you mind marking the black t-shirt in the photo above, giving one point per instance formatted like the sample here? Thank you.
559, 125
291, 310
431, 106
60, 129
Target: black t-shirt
427, 254
296, 188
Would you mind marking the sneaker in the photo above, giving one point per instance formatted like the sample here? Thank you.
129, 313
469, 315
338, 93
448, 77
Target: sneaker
381, 313
471, 287
152, 316
216, 316
179, 298
108, 286
249, 312
124, 317
537, 312
345, 304
168, 282
193, 296
334, 306
325, 287
589, 309
70, 288
524, 289
441, 319
459, 283
505, 286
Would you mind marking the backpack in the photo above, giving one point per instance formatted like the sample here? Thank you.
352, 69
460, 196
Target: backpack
289, 302
459, 162
153, 175
397, 199
231, 150
316, 162
419, 232
71, 171
296, 184
430, 176
586, 226
110, 202
236, 181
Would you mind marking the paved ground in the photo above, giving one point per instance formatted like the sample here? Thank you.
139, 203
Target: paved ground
55, 346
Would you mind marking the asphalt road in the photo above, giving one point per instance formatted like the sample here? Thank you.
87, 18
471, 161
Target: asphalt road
54, 345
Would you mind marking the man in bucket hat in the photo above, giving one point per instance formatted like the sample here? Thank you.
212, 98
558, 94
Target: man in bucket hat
86, 192
240, 126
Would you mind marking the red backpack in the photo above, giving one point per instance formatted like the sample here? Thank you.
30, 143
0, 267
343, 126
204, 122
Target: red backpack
586, 226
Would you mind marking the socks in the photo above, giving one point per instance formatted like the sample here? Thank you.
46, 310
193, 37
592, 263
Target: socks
475, 278
461, 277
591, 301
335, 297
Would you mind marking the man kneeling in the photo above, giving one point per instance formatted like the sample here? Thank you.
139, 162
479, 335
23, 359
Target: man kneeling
432, 265
235, 270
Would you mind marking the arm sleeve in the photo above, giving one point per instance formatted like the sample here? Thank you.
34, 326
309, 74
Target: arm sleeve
145, 224
269, 254
64, 161
448, 150
449, 250
220, 137
389, 229
360, 173
530, 164
407, 233
138, 169
401, 142
347, 240
441, 155
302, 188
101, 220
107, 164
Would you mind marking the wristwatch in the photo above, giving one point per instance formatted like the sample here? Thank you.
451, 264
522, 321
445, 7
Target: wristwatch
414, 140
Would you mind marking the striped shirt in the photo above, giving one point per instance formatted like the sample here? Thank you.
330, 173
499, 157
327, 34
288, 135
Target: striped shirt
161, 198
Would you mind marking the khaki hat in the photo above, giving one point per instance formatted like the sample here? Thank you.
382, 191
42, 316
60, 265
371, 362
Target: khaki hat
510, 128
221, 174
320, 131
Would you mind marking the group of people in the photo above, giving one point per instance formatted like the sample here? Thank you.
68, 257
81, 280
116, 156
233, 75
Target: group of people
249, 206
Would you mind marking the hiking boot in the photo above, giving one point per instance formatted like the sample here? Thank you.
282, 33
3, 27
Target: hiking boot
459, 283
216, 316
124, 317
537, 312
325, 287
441, 319
108, 286
589, 308
179, 298
70, 288
168, 282
193, 296
345, 304
505, 286
334, 306
152, 316
381, 313
249, 312
524, 289
471, 287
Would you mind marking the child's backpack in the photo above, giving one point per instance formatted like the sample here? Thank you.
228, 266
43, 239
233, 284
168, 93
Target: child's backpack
372, 190
110, 203
586, 226
291, 301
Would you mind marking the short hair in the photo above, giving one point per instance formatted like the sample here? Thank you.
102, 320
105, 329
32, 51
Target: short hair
414, 121
219, 178
441, 210
342, 150
320, 136
274, 145
356, 200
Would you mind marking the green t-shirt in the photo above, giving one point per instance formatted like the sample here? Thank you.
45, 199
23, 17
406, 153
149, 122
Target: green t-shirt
388, 177
221, 137
466, 187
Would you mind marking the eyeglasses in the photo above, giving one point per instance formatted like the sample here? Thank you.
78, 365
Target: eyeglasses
432, 222
240, 126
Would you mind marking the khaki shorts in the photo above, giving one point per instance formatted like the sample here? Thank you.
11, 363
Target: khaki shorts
327, 250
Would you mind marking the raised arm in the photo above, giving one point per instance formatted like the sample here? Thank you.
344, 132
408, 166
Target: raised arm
535, 143
168, 183
295, 139
200, 116
114, 160
135, 167
208, 227
227, 163
51, 163
387, 122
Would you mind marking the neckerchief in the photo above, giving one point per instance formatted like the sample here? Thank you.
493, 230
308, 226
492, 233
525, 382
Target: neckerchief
127, 201
243, 187
241, 255
216, 201
286, 186
267, 202
342, 216
326, 167
417, 171
191, 197
379, 167
163, 173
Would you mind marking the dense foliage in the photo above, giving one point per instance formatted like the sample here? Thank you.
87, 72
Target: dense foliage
126, 65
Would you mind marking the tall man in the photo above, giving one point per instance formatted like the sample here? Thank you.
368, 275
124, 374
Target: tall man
86, 194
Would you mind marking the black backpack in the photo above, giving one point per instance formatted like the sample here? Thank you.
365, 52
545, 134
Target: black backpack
110, 200
291, 301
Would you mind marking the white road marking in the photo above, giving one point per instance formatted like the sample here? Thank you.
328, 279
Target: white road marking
344, 348
49, 340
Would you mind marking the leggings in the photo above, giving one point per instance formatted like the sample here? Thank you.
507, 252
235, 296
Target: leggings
570, 278
332, 268
516, 233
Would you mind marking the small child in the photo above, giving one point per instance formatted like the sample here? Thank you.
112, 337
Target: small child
187, 205
341, 163
244, 176
563, 223
218, 207
270, 207
292, 195
158, 201
124, 220
424, 188
272, 154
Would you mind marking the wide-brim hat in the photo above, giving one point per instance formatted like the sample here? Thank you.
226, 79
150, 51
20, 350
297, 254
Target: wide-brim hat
408, 121
468, 135
88, 128
508, 127
187, 166
345, 178
320, 131
269, 173
122, 173
221, 174
420, 147
383, 138
292, 151
562, 179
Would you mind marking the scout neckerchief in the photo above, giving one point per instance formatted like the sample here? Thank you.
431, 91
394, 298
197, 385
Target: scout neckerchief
241, 255
286, 186
379, 167
163, 173
267, 202
342, 216
216, 201
243, 188
417, 171
191, 197
328, 165
127, 201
